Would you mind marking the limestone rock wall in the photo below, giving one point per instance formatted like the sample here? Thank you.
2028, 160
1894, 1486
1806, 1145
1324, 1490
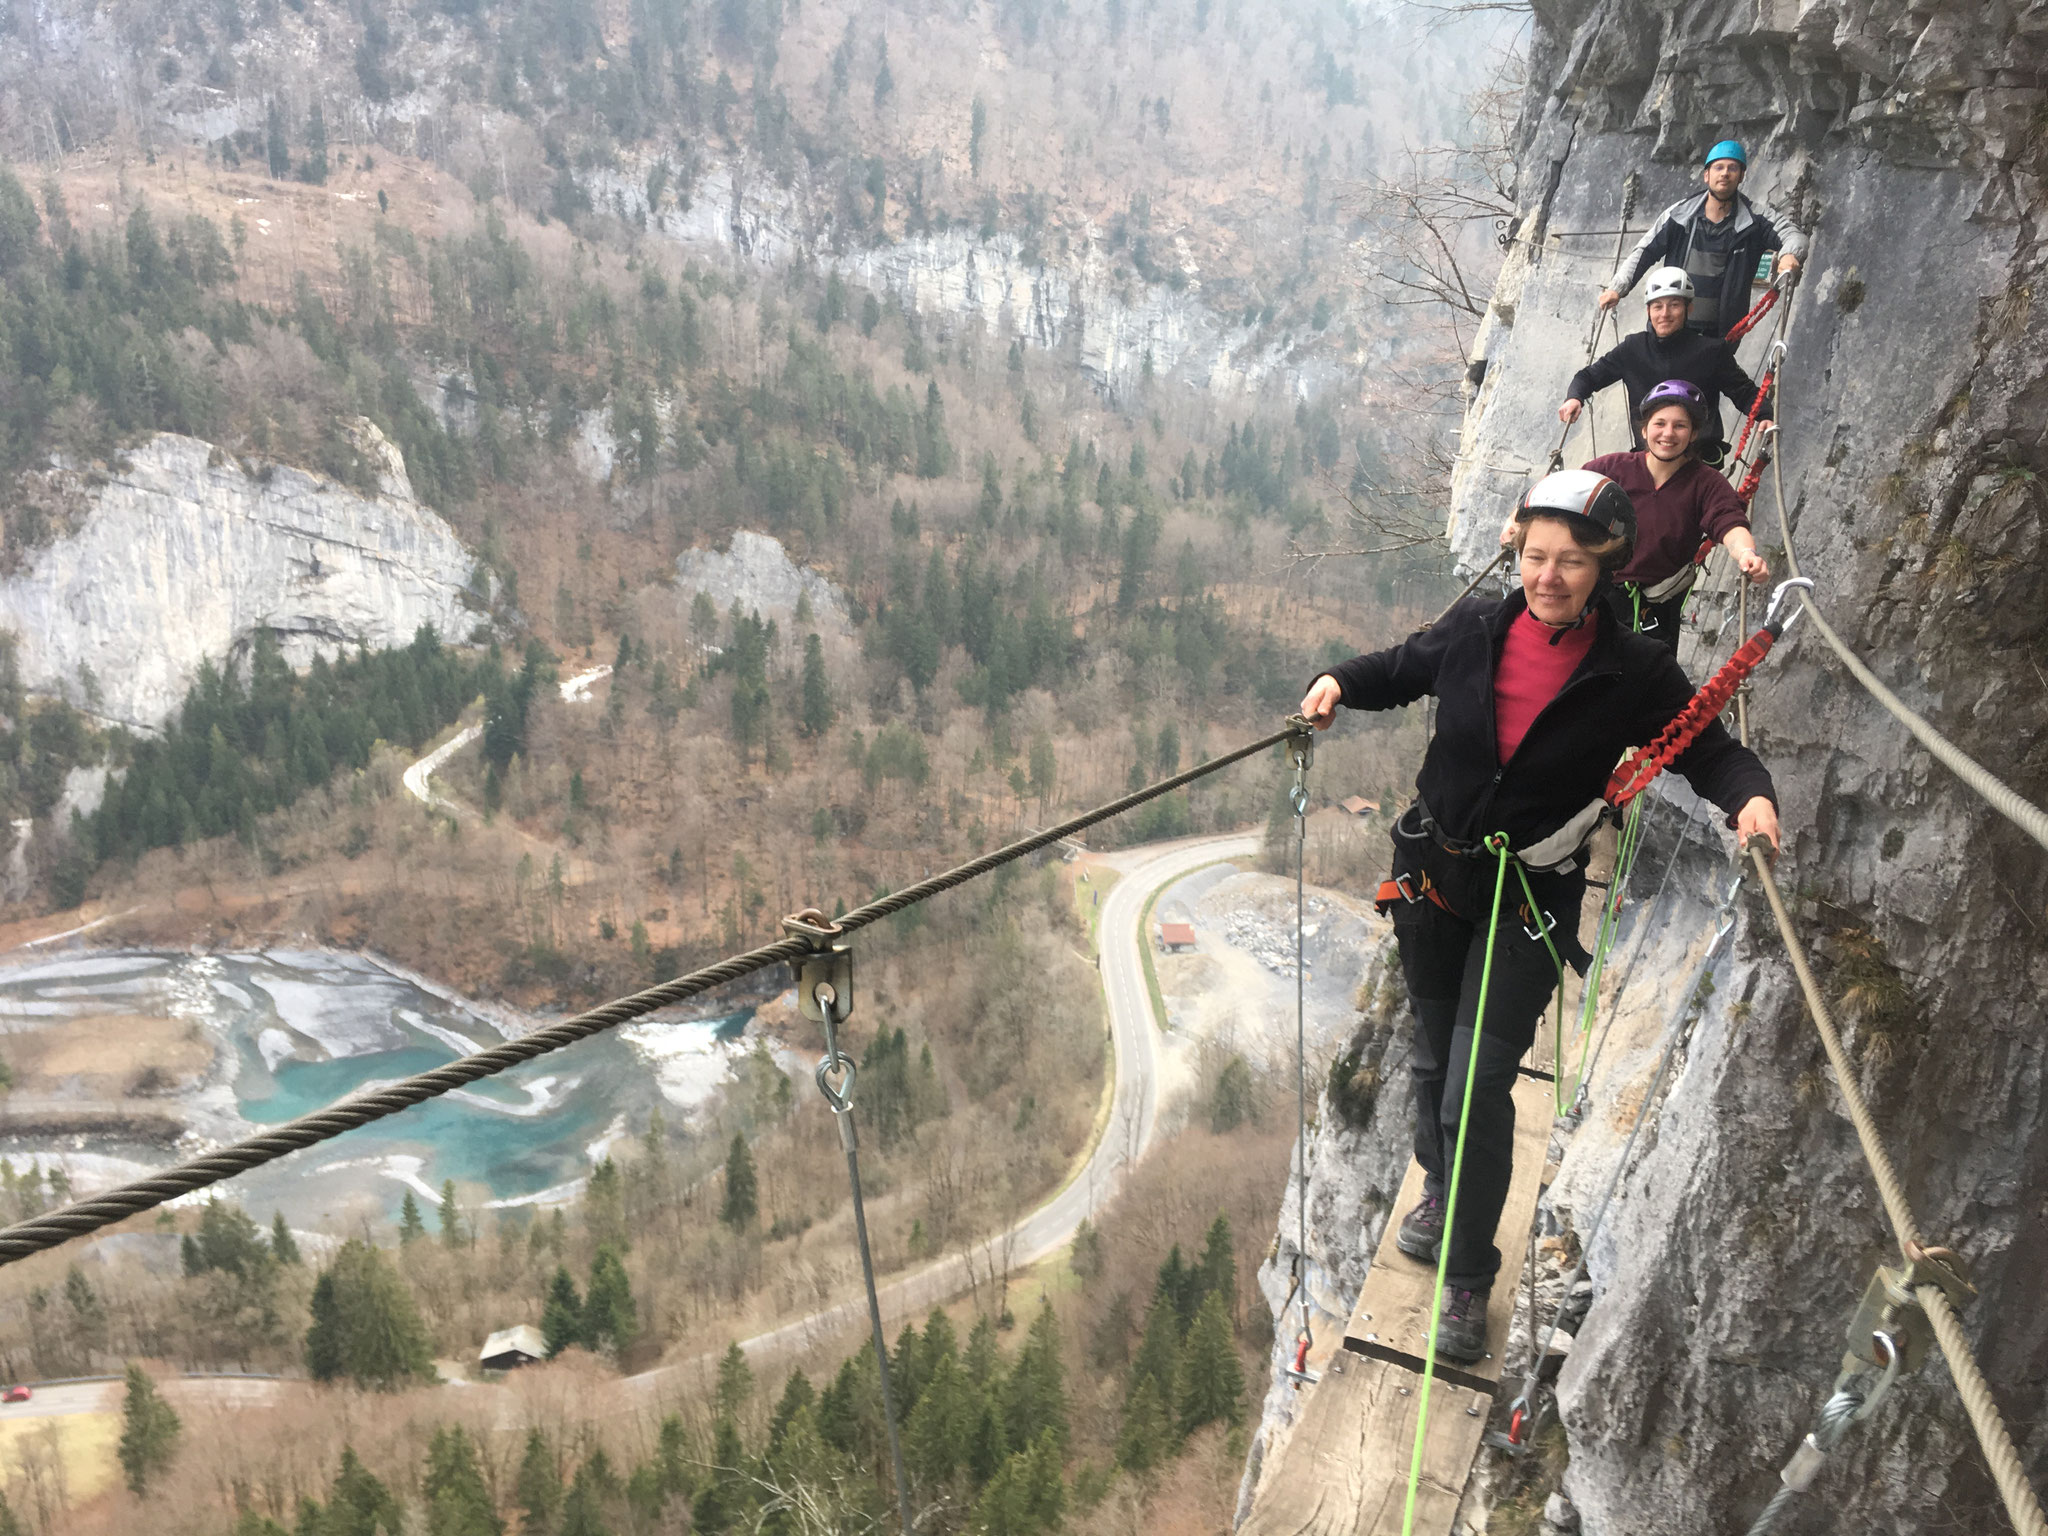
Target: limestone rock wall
1908, 138
185, 553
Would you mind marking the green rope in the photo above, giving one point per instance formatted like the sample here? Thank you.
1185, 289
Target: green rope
1603, 944
1498, 844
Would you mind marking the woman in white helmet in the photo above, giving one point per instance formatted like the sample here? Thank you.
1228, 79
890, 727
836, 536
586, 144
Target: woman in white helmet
1539, 694
1668, 350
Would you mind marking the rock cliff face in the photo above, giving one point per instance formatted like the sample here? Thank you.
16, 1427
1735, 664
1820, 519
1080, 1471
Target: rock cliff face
185, 554
1110, 328
1908, 139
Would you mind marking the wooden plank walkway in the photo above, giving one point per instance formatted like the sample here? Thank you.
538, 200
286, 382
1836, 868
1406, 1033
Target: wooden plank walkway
1391, 1320
1343, 1468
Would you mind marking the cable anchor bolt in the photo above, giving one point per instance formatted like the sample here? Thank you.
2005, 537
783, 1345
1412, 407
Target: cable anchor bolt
1891, 1310
824, 995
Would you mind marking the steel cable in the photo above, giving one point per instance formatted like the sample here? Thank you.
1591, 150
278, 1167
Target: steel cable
76, 1220
2021, 1502
1995, 792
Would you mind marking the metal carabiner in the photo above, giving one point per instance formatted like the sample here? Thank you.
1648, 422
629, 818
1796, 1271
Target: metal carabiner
1775, 356
1894, 1358
1771, 622
834, 1061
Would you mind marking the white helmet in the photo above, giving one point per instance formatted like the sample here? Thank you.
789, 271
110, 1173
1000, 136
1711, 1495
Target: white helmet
1668, 283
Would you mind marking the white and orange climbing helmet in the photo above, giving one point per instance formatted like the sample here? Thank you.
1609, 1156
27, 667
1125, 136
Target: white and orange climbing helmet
1581, 495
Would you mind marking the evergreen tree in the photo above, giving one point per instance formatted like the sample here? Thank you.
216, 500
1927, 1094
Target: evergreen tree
12, 1526
609, 1315
276, 145
283, 1246
369, 1327
940, 1342
409, 1224
451, 1216
906, 1370
323, 1339
316, 146
1211, 1385
796, 1393
1217, 1273
722, 1501
1158, 1352
458, 1502
885, 83
987, 1450
1035, 1394
584, 1510
538, 1490
1145, 1440
149, 1431
561, 1317
358, 1504
1180, 1286
735, 1383
742, 1192
1234, 1100
984, 1357
818, 710
939, 1429
604, 1206
977, 129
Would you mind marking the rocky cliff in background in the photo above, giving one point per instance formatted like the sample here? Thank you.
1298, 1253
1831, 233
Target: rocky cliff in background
184, 553
1909, 139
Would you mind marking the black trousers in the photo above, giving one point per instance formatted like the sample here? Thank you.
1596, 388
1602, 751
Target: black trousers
1442, 957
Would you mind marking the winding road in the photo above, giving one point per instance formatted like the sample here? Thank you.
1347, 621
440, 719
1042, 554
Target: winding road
575, 690
1124, 1139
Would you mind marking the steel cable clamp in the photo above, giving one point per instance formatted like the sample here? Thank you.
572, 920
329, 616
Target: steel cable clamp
824, 995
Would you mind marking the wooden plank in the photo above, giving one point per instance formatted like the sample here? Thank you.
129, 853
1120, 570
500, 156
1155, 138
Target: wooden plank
1392, 1317
1343, 1471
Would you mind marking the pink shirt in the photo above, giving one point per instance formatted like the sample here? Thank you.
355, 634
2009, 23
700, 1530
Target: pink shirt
1535, 662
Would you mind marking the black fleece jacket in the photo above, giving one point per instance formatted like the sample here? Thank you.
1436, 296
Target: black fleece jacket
1643, 360
1626, 690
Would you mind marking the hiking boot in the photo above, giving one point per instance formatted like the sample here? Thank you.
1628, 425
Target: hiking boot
1461, 1325
1423, 1231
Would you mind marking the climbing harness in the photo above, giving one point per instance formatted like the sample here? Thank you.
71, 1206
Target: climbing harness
824, 991
1522, 1413
1301, 752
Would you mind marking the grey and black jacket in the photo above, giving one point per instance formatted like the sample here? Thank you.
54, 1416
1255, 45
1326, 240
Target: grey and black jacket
1721, 275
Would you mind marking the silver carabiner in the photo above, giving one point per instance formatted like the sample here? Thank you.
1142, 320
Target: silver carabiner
1805, 584
1894, 1359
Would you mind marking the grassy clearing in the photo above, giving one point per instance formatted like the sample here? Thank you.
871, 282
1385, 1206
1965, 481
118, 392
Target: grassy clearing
1091, 883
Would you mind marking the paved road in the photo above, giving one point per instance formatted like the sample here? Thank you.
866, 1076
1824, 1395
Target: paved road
1133, 1116
575, 690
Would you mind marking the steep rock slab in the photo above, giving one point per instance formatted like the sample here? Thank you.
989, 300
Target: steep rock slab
1916, 436
185, 555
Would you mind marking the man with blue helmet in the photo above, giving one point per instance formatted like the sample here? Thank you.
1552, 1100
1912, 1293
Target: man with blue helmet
1717, 237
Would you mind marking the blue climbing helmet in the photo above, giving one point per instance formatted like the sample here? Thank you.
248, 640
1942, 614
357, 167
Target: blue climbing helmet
1727, 149
1674, 392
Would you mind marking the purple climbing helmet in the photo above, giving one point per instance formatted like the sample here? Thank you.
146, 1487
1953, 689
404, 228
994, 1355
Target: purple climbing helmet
1674, 392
